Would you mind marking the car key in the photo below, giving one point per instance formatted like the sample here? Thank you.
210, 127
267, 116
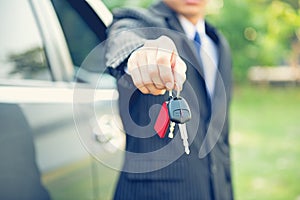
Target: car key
179, 112
172, 124
184, 137
171, 129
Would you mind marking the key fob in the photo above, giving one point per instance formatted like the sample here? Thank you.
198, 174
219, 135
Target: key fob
179, 110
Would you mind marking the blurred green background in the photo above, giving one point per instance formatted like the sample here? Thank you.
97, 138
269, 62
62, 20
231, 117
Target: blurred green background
265, 133
260, 32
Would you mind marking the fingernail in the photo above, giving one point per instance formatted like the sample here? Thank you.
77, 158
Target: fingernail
169, 86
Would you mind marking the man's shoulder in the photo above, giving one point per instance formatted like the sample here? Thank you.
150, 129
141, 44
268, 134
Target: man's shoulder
154, 15
215, 34
120, 13
138, 14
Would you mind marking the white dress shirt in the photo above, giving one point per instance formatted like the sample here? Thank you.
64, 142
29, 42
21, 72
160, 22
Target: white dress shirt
208, 52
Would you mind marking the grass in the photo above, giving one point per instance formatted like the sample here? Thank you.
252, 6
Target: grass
85, 180
265, 138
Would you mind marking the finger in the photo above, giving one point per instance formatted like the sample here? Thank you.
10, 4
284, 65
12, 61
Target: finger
179, 71
151, 46
153, 69
135, 74
173, 60
166, 43
144, 90
154, 91
143, 68
164, 66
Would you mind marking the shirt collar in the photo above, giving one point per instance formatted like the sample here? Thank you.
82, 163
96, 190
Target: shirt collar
190, 28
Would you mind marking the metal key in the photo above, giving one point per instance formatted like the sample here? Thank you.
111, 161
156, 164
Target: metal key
172, 124
171, 129
184, 137
180, 113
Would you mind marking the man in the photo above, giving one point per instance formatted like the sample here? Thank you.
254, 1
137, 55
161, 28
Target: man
154, 51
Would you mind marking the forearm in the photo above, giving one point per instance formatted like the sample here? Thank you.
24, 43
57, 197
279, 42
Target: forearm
123, 39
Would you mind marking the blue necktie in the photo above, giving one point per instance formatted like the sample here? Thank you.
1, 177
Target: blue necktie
197, 42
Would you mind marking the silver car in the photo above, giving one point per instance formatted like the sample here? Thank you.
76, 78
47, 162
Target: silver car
60, 129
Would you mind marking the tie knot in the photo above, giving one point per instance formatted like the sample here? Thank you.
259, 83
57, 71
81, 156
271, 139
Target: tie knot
197, 38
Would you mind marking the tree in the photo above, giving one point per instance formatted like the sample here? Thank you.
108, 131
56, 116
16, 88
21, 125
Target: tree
260, 32
29, 63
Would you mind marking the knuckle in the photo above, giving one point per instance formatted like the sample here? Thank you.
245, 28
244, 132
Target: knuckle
159, 86
163, 60
167, 42
153, 71
165, 38
181, 66
157, 82
166, 77
147, 81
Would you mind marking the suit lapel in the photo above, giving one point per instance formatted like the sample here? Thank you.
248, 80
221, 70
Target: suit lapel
223, 58
220, 97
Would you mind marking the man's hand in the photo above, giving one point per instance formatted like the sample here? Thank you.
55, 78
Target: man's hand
156, 67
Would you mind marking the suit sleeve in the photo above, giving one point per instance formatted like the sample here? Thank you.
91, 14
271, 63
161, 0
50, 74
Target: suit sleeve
124, 37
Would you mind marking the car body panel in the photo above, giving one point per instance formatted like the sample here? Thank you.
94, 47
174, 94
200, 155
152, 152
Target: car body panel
48, 107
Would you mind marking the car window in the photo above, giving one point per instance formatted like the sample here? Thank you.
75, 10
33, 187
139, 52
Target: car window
22, 53
82, 28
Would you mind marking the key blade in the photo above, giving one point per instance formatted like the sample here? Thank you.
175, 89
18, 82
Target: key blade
181, 129
187, 149
184, 137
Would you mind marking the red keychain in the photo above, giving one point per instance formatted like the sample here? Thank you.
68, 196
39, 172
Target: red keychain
162, 121
163, 118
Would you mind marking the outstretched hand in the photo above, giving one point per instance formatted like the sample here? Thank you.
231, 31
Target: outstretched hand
156, 67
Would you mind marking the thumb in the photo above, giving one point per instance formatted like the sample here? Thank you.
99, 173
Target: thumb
179, 71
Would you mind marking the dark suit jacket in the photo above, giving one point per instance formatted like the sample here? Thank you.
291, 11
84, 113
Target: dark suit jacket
156, 168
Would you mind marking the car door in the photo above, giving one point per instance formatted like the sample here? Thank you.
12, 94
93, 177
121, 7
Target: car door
43, 45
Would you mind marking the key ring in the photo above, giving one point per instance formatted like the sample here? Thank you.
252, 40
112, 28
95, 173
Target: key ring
178, 94
171, 93
178, 91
